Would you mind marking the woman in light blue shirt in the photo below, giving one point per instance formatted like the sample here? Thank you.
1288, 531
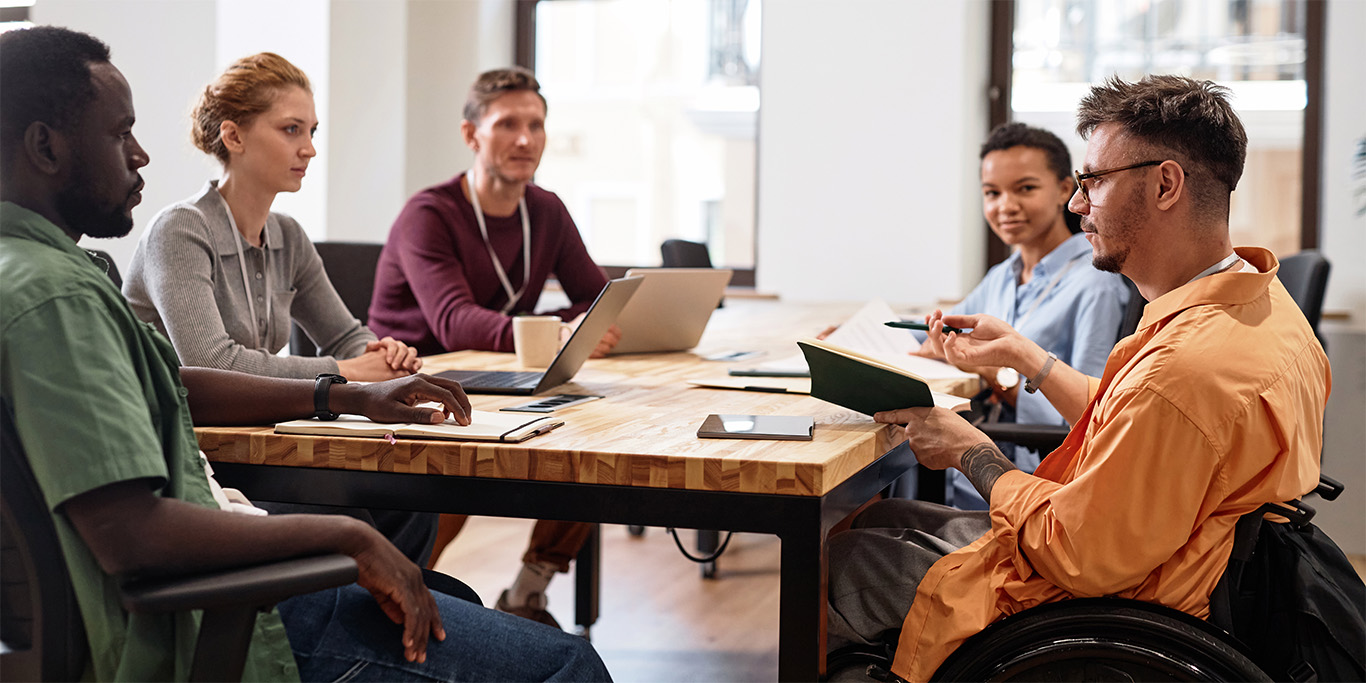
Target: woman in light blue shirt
1047, 289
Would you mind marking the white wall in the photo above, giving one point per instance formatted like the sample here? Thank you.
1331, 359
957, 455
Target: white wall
368, 91
1343, 241
1343, 218
165, 69
867, 133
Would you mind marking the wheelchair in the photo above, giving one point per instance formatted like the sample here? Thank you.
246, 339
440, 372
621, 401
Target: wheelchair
1119, 639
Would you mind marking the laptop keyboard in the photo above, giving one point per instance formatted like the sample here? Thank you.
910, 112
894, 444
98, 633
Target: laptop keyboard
475, 379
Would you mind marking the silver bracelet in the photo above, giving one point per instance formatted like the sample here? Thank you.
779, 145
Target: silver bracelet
1032, 384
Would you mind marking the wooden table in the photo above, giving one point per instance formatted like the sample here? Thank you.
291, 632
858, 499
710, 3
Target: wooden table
631, 458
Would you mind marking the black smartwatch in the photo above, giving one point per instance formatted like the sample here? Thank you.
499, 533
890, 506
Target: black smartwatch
322, 386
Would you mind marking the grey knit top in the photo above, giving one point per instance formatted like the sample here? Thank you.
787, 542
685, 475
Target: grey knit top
187, 281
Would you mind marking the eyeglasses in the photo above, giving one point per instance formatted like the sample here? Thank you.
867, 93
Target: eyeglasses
1081, 178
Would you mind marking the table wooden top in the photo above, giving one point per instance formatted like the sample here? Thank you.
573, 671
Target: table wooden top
642, 433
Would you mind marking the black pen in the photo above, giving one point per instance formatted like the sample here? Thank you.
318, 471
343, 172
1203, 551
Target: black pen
915, 325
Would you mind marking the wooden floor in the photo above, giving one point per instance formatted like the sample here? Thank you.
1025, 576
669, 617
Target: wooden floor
660, 621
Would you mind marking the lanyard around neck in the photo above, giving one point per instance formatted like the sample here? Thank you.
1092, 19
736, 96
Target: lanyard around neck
513, 295
262, 335
1224, 264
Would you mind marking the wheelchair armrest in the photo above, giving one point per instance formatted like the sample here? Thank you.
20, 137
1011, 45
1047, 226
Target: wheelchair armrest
260, 585
1329, 488
1045, 438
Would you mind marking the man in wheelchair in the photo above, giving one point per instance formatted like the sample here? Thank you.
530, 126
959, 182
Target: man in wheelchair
1212, 408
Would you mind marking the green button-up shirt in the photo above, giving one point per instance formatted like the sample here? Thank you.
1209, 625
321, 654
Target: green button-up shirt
97, 399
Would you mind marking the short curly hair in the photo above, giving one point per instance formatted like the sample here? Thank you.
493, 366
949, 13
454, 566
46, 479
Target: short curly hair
494, 84
46, 75
245, 90
1017, 134
1191, 118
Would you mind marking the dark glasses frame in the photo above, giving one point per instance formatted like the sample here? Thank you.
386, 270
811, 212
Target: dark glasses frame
1081, 178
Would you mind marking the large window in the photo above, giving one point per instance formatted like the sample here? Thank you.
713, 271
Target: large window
1260, 49
651, 128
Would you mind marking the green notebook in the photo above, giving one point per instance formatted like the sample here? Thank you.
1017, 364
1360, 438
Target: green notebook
865, 384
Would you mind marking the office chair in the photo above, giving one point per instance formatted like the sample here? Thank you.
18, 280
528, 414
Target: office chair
1267, 615
684, 254
351, 268
40, 623
113, 268
1305, 276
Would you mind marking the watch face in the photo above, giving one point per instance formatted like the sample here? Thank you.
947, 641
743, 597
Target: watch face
1007, 378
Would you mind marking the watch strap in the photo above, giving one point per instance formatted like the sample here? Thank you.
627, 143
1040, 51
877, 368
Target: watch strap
1032, 384
322, 389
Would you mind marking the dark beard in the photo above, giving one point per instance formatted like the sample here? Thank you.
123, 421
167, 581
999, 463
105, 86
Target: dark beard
80, 212
1109, 263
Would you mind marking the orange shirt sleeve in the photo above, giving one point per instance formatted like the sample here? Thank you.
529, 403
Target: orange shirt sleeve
1144, 479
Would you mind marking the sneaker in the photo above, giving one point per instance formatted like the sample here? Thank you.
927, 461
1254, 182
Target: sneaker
534, 609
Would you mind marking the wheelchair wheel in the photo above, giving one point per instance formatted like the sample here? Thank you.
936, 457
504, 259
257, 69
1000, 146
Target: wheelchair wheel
1100, 639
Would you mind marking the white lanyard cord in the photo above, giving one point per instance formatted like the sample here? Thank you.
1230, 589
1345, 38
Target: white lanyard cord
1224, 264
513, 296
1044, 294
262, 335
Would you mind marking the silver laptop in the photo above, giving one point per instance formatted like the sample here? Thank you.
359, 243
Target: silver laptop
671, 310
600, 316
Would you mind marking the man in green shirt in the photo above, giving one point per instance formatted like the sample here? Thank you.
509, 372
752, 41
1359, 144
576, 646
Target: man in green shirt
104, 413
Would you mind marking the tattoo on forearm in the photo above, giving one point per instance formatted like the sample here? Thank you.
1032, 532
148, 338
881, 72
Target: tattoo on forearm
983, 464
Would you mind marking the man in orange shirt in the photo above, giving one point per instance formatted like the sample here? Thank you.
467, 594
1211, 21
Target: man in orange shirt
1211, 408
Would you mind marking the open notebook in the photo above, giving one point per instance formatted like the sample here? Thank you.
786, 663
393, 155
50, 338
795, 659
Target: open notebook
484, 426
867, 383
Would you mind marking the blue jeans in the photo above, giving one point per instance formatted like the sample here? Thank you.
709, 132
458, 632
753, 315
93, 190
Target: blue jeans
342, 635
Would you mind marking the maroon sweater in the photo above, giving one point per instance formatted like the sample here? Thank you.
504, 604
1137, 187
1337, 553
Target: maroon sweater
436, 289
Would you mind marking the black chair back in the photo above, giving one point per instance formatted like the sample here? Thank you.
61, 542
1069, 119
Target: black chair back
684, 254
1133, 311
351, 268
113, 271
40, 622
1305, 276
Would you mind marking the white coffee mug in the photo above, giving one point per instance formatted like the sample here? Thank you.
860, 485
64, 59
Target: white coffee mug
536, 339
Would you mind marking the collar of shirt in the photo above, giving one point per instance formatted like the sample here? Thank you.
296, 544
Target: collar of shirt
1233, 287
16, 221
215, 209
1071, 248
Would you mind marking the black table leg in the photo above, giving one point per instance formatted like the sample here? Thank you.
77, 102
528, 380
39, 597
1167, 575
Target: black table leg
801, 601
587, 581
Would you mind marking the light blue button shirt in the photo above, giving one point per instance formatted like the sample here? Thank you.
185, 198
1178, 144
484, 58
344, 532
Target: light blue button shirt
1067, 307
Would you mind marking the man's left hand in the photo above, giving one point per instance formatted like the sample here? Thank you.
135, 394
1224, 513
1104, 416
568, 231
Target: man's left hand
938, 437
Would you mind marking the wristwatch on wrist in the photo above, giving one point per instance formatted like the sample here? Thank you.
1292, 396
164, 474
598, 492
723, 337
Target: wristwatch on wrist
322, 387
1007, 378
1032, 384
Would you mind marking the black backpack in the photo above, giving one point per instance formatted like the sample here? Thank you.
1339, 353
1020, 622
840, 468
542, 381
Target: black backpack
1293, 598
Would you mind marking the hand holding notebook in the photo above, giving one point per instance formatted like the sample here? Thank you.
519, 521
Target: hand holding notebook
867, 384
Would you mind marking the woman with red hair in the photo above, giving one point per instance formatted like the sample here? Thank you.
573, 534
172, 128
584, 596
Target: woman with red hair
221, 274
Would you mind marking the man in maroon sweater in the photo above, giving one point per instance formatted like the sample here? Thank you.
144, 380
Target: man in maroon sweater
466, 256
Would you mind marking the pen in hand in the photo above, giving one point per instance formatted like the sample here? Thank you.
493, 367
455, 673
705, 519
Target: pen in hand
915, 325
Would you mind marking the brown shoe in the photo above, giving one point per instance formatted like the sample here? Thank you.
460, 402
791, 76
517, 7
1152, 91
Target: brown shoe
534, 609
